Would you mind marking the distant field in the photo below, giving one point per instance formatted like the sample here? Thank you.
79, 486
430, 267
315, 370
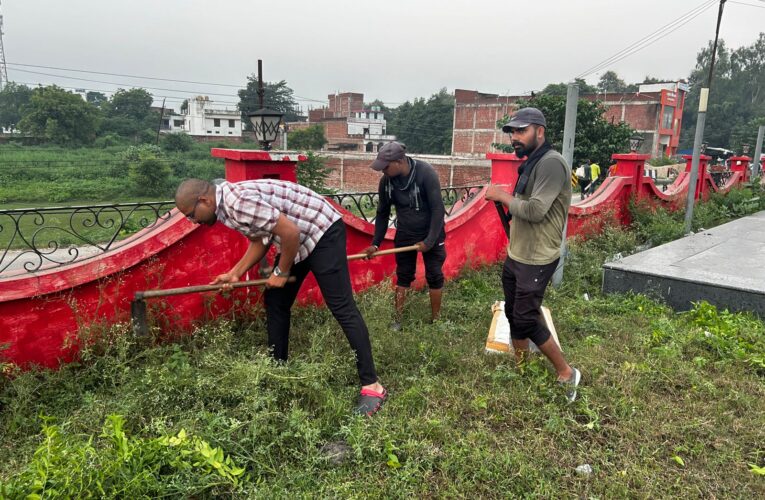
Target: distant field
50, 176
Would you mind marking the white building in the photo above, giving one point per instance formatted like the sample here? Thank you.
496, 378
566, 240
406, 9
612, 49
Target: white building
369, 123
201, 119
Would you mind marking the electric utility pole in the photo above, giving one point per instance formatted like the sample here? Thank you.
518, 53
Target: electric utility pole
700, 121
569, 132
3, 68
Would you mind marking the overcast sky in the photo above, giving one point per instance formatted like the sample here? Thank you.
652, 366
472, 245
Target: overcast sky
393, 50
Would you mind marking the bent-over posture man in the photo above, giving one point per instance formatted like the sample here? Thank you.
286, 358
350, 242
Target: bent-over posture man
411, 186
310, 235
539, 207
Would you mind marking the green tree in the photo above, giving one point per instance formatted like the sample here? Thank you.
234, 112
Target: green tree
277, 96
310, 138
596, 138
736, 100
610, 82
133, 103
13, 98
562, 88
97, 99
128, 114
425, 126
59, 116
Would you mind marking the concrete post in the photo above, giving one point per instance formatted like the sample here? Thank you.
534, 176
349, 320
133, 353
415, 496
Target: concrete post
740, 164
699, 191
756, 159
248, 165
569, 133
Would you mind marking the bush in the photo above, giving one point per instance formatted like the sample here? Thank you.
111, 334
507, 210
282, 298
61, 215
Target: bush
177, 142
660, 162
313, 173
150, 177
118, 465
108, 140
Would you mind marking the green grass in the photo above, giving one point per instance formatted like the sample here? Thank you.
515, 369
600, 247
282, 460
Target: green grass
72, 228
42, 176
665, 409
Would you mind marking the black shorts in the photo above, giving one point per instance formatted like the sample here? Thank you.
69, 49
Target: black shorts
406, 265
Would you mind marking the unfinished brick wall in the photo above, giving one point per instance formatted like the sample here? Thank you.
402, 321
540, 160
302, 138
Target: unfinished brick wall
351, 172
475, 122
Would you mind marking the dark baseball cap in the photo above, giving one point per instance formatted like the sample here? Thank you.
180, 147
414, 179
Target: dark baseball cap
523, 118
389, 152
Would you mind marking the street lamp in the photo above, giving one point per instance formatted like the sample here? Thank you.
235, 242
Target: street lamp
265, 123
635, 141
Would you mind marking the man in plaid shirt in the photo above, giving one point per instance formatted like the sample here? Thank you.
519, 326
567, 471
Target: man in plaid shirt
310, 235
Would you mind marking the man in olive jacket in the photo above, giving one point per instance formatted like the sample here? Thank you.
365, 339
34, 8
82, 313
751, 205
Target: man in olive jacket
539, 208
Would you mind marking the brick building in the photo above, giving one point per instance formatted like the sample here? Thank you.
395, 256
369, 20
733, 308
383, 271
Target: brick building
348, 125
655, 111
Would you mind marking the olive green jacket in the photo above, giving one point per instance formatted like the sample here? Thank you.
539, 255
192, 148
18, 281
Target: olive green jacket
540, 212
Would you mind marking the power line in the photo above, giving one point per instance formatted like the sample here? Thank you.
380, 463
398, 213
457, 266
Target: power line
749, 4
140, 77
123, 75
649, 39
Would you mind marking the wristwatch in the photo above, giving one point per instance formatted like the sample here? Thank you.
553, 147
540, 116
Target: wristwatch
278, 272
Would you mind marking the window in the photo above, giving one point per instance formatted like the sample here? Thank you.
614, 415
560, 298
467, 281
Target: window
177, 123
216, 122
231, 124
375, 116
666, 118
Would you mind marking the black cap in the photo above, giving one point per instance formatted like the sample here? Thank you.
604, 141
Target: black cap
523, 118
392, 151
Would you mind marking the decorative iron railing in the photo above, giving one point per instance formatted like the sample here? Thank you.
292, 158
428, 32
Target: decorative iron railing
720, 176
365, 204
33, 239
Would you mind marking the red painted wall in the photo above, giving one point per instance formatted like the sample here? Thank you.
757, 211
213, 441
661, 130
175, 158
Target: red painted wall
41, 314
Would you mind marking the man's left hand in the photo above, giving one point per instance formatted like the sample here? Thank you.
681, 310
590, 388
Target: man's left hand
276, 281
421, 247
496, 193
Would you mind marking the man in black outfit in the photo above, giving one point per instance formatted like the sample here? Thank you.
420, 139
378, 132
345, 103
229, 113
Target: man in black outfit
411, 186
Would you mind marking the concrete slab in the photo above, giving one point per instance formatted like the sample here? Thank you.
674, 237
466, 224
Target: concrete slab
724, 266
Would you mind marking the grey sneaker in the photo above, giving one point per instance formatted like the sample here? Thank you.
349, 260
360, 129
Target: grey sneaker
572, 384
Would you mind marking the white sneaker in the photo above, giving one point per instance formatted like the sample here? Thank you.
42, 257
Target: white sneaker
573, 383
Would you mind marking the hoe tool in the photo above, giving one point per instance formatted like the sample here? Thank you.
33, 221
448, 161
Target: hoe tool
138, 305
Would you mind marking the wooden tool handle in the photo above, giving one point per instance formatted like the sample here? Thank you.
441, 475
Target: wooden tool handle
358, 256
201, 288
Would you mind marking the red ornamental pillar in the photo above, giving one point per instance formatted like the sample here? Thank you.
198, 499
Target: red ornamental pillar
701, 184
504, 168
632, 166
248, 164
740, 164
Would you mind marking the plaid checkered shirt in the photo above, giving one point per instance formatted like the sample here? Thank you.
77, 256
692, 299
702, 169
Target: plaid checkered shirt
253, 207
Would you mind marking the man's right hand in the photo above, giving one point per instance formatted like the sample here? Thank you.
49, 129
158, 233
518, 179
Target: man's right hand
370, 250
226, 279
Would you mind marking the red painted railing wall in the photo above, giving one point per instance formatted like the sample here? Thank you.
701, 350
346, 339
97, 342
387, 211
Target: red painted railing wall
43, 314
